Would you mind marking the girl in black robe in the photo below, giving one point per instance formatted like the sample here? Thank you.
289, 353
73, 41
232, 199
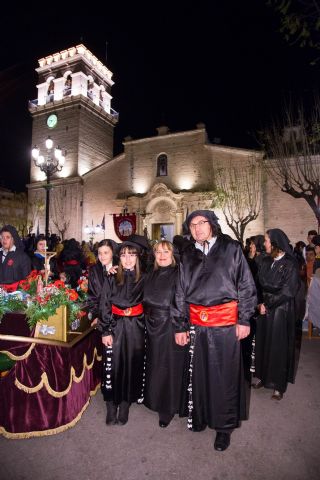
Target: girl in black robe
166, 362
123, 333
99, 280
276, 325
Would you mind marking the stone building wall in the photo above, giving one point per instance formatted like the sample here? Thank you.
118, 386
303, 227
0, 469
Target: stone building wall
292, 215
131, 179
102, 189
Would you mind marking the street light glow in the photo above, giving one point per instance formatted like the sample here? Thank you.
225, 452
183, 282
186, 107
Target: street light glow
48, 164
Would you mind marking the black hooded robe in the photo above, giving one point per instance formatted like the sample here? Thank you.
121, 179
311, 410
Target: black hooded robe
218, 385
275, 331
128, 349
166, 362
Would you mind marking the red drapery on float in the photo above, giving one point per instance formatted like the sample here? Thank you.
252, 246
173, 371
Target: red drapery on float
124, 225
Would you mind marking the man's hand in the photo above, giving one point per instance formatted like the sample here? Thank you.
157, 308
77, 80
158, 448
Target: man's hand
107, 341
182, 338
262, 309
242, 331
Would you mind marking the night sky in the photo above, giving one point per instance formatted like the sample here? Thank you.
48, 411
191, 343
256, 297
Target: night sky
174, 63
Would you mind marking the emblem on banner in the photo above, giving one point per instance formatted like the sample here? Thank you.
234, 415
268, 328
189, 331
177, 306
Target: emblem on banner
127, 312
204, 316
124, 225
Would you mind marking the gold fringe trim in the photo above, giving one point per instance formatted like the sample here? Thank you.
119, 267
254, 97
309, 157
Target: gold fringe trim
52, 431
73, 378
19, 357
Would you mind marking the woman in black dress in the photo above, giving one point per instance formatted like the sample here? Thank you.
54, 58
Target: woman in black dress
123, 333
166, 362
99, 279
276, 325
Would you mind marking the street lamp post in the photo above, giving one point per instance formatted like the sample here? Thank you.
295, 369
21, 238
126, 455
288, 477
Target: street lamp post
52, 162
92, 231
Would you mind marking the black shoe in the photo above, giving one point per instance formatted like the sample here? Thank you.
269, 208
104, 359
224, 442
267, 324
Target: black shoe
123, 413
163, 424
198, 428
222, 441
111, 413
164, 419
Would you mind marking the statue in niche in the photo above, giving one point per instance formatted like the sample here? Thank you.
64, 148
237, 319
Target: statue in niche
67, 86
50, 92
90, 89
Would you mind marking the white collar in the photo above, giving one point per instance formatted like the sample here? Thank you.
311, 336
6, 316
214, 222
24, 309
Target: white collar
107, 267
279, 257
210, 243
12, 249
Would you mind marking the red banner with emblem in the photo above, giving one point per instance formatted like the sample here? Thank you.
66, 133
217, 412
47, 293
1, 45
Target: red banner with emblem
124, 225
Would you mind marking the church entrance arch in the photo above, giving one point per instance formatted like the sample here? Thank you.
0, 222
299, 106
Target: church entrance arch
162, 218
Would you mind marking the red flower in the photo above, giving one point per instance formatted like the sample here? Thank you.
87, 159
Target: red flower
33, 274
59, 284
10, 262
72, 294
40, 300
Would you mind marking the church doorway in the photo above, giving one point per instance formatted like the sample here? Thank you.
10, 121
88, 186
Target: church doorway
163, 231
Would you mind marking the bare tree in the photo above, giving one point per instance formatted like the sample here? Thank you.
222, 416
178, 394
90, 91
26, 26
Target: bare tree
300, 23
59, 211
292, 158
35, 209
238, 194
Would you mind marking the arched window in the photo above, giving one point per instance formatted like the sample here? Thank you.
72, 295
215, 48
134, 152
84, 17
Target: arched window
162, 165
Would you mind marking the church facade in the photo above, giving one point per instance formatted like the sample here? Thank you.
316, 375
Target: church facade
159, 179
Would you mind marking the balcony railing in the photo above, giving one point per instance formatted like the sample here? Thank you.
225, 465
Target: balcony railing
49, 98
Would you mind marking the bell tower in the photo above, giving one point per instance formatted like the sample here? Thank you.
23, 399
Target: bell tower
73, 107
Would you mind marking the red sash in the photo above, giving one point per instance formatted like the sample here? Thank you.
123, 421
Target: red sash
215, 316
10, 287
128, 312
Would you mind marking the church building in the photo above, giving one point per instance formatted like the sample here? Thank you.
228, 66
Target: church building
152, 185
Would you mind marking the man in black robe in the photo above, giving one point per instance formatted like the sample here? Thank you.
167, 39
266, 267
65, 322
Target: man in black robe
15, 264
221, 299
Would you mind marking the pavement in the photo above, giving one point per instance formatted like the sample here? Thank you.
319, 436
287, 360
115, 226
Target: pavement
280, 441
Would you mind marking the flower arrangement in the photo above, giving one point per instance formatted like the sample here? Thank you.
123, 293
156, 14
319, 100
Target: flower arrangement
38, 301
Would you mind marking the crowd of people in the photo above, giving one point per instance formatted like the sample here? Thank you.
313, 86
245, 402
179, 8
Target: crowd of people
179, 321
